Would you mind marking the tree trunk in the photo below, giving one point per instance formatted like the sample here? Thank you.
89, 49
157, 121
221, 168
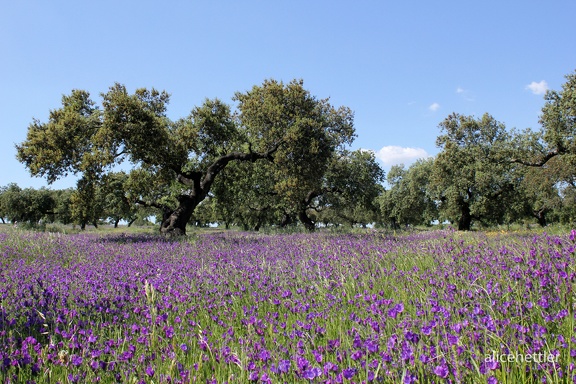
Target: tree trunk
306, 221
131, 222
174, 223
541, 217
286, 220
116, 223
465, 221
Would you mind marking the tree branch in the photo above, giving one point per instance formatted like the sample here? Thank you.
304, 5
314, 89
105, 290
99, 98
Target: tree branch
220, 163
310, 196
539, 163
153, 204
191, 179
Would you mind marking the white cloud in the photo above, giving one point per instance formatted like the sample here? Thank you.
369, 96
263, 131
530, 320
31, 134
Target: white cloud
434, 107
393, 154
538, 88
465, 94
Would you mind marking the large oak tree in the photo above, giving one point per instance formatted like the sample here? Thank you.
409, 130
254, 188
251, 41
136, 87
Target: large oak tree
471, 177
273, 122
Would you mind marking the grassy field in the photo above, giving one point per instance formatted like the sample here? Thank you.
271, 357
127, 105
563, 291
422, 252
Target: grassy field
437, 306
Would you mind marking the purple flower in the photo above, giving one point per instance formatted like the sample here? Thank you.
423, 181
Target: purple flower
264, 355
317, 356
441, 371
371, 346
491, 364
302, 363
183, 347
329, 366
412, 337
150, 371
357, 355
562, 314
394, 311
76, 360
409, 378
349, 373
312, 373
333, 344
284, 366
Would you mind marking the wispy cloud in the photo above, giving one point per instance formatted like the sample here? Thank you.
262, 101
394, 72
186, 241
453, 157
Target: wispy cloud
538, 88
393, 154
465, 93
434, 107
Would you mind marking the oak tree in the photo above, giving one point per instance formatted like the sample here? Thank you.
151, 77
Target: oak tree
274, 122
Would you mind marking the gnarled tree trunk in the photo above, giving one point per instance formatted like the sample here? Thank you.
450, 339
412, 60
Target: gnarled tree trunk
540, 215
306, 220
465, 221
174, 222
308, 223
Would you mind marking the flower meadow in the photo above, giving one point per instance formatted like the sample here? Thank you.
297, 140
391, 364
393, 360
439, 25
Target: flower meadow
426, 307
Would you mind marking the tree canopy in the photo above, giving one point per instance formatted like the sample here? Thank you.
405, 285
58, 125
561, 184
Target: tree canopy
275, 122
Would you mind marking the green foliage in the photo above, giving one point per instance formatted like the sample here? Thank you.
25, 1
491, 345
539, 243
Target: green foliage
409, 200
62, 145
308, 130
11, 206
176, 162
245, 195
63, 210
558, 117
281, 156
252, 194
87, 202
27, 205
351, 186
117, 206
471, 177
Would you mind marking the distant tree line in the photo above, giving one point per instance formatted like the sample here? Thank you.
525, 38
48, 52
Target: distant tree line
489, 175
104, 203
282, 158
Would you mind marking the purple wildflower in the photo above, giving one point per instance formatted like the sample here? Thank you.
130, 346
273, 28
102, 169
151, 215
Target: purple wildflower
284, 366
349, 373
441, 371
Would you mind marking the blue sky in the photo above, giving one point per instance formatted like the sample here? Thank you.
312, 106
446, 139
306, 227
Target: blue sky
402, 66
